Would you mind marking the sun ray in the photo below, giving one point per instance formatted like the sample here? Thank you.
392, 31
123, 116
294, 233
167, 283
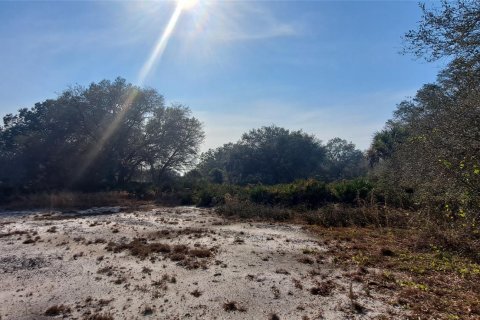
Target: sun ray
146, 69
160, 46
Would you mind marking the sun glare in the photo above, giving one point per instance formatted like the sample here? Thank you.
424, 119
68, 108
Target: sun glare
155, 55
186, 4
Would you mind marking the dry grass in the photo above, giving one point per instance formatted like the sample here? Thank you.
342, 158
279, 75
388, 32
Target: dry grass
140, 248
52, 229
282, 271
200, 253
189, 258
196, 293
57, 310
100, 316
13, 233
306, 260
273, 316
231, 306
297, 283
323, 289
69, 200
431, 282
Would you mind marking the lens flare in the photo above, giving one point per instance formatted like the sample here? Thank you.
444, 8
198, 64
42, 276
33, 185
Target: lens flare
146, 69
160, 46
186, 4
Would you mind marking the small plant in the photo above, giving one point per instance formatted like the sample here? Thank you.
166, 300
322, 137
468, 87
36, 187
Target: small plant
196, 293
230, 306
276, 292
57, 310
323, 289
52, 229
147, 311
102, 316
282, 271
306, 260
273, 316
200, 253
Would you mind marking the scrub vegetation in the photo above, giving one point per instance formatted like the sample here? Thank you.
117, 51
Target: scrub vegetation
408, 206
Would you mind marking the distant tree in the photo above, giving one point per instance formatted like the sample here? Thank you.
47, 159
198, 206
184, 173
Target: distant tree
343, 160
385, 142
172, 141
97, 137
216, 159
216, 176
267, 155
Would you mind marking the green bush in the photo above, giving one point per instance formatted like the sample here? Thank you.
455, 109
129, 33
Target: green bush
210, 195
350, 191
308, 193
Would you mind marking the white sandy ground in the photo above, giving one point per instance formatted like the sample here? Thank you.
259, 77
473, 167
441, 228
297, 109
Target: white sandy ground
256, 265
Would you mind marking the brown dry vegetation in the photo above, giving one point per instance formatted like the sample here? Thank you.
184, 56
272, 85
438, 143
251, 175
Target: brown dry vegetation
69, 200
189, 258
103, 316
230, 306
54, 311
432, 283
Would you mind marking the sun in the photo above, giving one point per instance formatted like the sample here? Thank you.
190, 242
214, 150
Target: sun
186, 4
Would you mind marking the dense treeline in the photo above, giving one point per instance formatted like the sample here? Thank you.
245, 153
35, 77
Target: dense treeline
115, 136
428, 156
273, 155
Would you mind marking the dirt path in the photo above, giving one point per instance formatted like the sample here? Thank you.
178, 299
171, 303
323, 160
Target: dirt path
185, 263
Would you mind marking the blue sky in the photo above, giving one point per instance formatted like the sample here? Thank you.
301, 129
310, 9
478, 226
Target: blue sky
329, 68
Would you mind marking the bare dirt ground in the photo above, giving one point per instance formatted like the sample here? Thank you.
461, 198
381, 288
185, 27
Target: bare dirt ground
173, 263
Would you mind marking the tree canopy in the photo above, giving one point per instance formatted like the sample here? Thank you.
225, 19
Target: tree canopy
272, 155
98, 137
431, 147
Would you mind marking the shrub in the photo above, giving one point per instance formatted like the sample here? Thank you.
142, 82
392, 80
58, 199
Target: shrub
338, 215
246, 209
68, 200
308, 193
350, 191
210, 195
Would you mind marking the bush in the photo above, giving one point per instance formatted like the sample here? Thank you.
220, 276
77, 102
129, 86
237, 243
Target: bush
245, 209
68, 200
308, 193
338, 215
210, 195
350, 191
302, 194
143, 191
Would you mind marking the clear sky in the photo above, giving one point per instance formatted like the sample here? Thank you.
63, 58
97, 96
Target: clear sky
329, 68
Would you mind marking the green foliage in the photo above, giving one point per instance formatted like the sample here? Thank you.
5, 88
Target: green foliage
308, 193
216, 176
209, 195
343, 160
97, 138
351, 191
301, 194
274, 155
427, 157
